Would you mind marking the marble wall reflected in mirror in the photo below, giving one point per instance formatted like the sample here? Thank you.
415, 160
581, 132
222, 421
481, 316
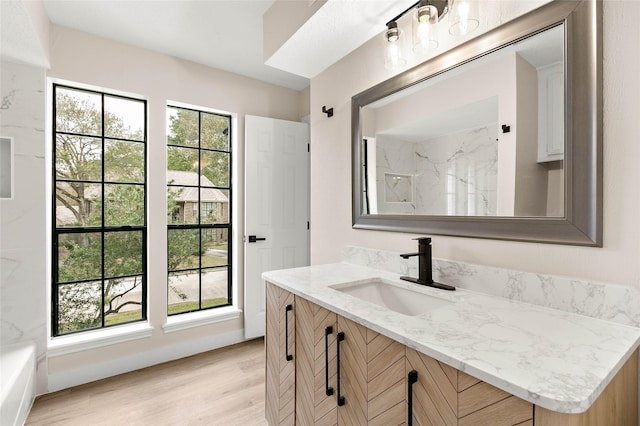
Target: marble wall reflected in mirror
445, 137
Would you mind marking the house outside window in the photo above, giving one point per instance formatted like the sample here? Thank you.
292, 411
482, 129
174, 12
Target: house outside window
99, 238
198, 210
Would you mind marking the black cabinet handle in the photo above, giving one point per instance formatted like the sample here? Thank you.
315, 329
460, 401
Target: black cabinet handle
412, 378
328, 389
288, 356
340, 338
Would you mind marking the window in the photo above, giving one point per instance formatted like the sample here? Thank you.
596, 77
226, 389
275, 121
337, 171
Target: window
208, 210
198, 210
99, 274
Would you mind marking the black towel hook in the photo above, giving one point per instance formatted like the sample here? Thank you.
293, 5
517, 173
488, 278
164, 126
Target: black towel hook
329, 111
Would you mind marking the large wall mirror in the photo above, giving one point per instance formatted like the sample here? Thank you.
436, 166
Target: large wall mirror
498, 138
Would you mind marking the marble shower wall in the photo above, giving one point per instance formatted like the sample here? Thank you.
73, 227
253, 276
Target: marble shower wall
395, 174
453, 174
457, 173
606, 301
23, 307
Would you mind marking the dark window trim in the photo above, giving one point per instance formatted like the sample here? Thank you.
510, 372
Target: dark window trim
228, 225
56, 232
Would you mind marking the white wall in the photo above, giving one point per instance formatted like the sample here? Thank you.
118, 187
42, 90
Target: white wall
616, 262
79, 57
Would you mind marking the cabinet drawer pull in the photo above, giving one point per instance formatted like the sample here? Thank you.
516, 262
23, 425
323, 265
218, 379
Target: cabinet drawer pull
287, 308
340, 338
412, 378
327, 332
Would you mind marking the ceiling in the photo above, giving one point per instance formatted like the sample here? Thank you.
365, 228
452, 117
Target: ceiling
220, 34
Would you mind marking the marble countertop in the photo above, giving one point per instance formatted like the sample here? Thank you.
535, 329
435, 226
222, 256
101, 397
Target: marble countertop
555, 359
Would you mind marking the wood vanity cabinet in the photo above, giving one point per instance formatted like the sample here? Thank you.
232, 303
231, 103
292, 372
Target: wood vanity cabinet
307, 344
371, 387
280, 353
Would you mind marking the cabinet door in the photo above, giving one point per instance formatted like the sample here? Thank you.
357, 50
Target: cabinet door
445, 396
315, 350
372, 377
280, 353
481, 404
551, 112
386, 381
435, 393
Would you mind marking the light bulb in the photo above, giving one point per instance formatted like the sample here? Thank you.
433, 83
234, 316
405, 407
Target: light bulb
424, 29
393, 52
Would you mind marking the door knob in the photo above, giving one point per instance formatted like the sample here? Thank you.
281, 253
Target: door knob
253, 239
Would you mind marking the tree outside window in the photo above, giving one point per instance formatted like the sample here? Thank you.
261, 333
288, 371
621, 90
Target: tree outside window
99, 199
198, 210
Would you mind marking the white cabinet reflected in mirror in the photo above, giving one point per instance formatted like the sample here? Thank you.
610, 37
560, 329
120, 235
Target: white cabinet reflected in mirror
500, 136
446, 133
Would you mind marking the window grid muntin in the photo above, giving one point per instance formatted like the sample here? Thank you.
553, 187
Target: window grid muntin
200, 226
57, 231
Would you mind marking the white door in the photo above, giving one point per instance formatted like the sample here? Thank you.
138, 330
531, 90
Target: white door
276, 208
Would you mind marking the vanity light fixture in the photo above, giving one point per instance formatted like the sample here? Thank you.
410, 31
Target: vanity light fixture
463, 18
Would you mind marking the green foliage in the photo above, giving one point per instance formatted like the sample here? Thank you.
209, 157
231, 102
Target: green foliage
123, 253
78, 112
124, 205
122, 317
183, 249
124, 162
81, 257
183, 131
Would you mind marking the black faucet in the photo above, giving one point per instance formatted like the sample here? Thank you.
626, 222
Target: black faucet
424, 265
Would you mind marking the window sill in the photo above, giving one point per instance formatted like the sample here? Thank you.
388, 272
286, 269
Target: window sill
99, 338
197, 319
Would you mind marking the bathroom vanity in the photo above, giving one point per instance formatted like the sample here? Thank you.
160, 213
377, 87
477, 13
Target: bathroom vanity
349, 344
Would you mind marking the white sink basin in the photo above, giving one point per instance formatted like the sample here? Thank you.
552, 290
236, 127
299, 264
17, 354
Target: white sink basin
393, 296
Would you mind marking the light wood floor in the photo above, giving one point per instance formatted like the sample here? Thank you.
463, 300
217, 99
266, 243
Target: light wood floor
222, 387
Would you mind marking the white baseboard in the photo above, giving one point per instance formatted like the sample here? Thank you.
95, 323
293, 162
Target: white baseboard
92, 372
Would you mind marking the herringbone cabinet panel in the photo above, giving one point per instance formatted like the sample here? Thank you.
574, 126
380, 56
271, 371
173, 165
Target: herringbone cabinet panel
372, 373
435, 396
313, 405
386, 382
353, 373
445, 396
280, 373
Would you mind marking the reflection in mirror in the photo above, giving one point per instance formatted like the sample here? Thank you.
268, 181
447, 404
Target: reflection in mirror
483, 139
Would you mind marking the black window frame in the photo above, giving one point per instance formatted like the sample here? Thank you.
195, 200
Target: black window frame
102, 229
205, 226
